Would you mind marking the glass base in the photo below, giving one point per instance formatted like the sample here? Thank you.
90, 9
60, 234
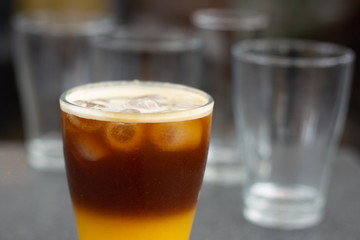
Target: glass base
274, 206
46, 153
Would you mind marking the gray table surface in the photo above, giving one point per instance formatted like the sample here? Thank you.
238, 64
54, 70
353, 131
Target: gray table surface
36, 205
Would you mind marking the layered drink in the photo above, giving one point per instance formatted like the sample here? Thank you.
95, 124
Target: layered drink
135, 155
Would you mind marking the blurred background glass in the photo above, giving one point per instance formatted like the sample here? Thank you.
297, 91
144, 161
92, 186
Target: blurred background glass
336, 21
148, 53
220, 29
51, 51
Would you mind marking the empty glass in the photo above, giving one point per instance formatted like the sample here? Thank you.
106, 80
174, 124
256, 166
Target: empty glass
166, 55
290, 99
220, 29
51, 53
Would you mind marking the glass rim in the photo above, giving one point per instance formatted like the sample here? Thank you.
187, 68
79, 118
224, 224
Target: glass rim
261, 51
106, 115
59, 22
148, 39
229, 19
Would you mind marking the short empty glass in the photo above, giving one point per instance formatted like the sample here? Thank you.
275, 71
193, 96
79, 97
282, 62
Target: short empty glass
290, 99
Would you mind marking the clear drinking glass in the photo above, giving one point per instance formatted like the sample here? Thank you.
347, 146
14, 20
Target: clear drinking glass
51, 53
290, 99
154, 53
135, 156
220, 29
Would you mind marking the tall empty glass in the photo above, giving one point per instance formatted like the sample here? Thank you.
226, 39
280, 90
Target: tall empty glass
51, 53
290, 100
220, 29
133, 52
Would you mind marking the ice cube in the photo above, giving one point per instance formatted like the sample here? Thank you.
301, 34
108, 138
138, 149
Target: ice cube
147, 104
87, 148
176, 136
87, 125
94, 104
124, 136
158, 98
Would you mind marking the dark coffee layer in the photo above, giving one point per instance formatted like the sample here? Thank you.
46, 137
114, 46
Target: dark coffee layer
144, 180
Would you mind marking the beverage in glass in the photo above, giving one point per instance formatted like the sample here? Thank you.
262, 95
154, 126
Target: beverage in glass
135, 155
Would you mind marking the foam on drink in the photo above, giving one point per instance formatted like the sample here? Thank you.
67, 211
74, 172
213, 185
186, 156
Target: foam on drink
124, 102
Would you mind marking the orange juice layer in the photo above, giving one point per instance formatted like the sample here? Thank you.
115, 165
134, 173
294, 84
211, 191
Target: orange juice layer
95, 226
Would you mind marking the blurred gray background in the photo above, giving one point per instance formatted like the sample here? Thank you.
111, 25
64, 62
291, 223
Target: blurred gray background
332, 21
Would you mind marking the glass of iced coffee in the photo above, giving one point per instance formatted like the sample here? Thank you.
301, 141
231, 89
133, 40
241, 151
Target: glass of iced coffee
135, 155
